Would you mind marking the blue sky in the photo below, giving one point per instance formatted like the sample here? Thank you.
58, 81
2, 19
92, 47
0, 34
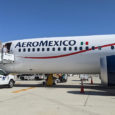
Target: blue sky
20, 19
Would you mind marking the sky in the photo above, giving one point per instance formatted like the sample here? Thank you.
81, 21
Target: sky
23, 19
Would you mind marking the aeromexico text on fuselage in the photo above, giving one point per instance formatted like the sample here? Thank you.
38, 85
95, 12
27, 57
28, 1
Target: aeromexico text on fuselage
46, 43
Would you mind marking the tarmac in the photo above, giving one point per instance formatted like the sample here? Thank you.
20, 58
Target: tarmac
32, 98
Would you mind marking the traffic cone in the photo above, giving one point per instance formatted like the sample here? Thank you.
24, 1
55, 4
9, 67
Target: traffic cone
91, 80
82, 87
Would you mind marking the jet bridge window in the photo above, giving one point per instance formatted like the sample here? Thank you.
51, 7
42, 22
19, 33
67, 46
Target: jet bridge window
19, 50
112, 47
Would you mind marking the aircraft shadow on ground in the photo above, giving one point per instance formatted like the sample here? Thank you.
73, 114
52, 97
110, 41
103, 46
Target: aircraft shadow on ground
28, 85
95, 93
96, 89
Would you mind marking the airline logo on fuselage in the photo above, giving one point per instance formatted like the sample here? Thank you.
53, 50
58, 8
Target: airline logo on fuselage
46, 43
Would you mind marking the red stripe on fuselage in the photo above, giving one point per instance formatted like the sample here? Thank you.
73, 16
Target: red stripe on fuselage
64, 55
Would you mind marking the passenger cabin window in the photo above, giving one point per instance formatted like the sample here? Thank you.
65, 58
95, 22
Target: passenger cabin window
43, 49
75, 48
19, 50
64, 48
112, 47
24, 50
48, 49
70, 48
33, 49
53, 49
28, 49
59, 49
38, 49
80, 48
87, 48
93, 47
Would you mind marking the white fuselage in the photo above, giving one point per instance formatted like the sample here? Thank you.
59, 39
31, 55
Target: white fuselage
59, 55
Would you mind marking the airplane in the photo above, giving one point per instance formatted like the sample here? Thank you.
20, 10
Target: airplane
75, 54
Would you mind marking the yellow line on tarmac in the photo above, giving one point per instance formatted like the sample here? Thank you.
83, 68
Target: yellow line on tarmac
21, 90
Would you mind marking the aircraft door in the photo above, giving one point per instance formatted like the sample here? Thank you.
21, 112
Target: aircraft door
8, 46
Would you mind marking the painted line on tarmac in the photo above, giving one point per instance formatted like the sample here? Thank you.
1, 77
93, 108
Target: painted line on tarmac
21, 90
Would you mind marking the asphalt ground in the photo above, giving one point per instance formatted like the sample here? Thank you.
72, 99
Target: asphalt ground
32, 98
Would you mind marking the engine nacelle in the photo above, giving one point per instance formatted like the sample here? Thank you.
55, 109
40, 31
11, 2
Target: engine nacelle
107, 67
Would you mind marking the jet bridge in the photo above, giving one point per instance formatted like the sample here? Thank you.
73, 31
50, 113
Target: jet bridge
107, 67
